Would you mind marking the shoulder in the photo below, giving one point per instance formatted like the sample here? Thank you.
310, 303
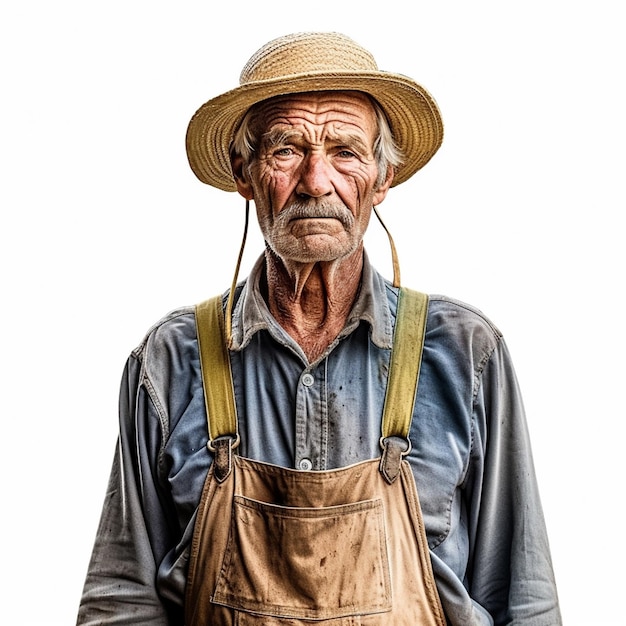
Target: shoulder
461, 332
168, 364
169, 340
455, 314
451, 323
174, 329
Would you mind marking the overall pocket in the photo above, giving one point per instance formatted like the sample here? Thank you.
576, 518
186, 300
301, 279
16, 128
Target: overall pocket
288, 563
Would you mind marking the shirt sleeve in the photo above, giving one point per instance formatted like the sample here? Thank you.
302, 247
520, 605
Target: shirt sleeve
120, 584
510, 571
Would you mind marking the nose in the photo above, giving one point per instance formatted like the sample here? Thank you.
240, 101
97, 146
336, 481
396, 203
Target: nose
315, 177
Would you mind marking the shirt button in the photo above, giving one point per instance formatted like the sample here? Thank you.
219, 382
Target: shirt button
305, 464
308, 380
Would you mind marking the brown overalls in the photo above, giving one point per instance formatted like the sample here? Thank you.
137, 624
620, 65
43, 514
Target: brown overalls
344, 547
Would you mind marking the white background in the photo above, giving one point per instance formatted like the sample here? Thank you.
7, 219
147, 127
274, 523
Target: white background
105, 229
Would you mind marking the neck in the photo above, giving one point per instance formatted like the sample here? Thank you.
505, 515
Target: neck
312, 301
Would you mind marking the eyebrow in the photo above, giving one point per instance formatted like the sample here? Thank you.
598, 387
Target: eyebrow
276, 137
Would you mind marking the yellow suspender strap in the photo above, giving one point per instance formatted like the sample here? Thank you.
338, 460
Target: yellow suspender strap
216, 374
404, 365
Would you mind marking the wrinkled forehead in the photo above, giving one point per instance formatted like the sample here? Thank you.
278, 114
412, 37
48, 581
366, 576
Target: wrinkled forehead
318, 107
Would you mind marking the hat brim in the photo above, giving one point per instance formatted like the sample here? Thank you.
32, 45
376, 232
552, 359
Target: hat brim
413, 115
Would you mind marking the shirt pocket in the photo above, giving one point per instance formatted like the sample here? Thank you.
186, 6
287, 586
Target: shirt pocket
289, 563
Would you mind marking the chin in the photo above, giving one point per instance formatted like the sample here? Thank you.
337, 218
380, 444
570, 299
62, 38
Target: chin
317, 255
316, 249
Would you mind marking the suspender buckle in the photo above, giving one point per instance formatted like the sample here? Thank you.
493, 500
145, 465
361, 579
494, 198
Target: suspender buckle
394, 450
222, 448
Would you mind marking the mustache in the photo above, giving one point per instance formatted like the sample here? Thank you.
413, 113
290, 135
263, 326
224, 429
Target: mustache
315, 208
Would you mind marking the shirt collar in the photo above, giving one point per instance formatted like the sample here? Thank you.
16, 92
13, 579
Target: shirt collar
251, 313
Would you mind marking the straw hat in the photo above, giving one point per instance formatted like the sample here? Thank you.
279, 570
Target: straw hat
304, 62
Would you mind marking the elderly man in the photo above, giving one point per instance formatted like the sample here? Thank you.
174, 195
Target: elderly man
320, 445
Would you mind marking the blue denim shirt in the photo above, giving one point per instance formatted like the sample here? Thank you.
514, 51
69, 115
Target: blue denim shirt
471, 455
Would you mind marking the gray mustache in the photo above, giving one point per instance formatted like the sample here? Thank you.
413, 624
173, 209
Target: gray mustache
316, 209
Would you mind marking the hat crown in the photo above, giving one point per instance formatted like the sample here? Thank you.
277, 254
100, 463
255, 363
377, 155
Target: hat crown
305, 53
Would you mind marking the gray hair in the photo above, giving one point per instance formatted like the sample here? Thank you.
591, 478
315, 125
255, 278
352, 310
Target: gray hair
386, 152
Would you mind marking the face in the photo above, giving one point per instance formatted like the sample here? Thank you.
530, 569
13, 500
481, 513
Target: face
314, 176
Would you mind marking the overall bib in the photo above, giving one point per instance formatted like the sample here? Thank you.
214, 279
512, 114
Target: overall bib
275, 546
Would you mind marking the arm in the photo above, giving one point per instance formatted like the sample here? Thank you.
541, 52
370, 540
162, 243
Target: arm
120, 583
510, 569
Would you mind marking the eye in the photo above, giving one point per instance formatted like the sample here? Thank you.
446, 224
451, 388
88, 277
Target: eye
283, 152
344, 153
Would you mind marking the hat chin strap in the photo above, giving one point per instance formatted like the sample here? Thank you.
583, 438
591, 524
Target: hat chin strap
394, 253
231, 294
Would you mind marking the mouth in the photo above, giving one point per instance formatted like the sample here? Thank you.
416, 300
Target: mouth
315, 217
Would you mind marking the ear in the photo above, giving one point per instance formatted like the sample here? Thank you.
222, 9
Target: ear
381, 193
241, 178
